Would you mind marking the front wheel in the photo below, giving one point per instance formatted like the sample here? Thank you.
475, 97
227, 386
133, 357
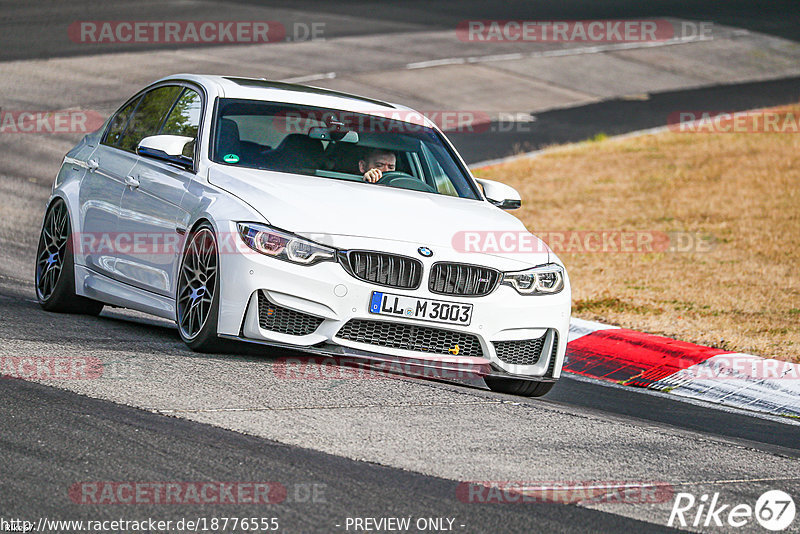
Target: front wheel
55, 266
197, 301
515, 386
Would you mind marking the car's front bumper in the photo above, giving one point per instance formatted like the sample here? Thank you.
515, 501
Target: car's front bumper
327, 291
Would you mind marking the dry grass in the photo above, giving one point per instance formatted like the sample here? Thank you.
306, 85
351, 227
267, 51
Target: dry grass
742, 189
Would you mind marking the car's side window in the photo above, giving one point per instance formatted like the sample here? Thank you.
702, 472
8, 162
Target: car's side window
149, 116
119, 122
440, 179
184, 119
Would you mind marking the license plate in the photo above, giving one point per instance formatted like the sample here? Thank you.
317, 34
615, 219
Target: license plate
436, 311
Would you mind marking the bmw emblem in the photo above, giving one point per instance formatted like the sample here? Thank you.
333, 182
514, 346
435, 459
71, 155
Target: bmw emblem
425, 251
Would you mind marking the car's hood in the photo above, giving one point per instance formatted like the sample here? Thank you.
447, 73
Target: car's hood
314, 205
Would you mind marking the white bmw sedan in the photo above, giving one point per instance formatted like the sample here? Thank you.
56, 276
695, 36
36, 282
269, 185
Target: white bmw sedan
293, 216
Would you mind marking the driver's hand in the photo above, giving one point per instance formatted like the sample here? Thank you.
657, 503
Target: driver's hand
372, 175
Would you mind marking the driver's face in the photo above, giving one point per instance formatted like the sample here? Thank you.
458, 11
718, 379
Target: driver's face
384, 162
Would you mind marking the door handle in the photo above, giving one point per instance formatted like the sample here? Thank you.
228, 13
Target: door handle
92, 165
132, 182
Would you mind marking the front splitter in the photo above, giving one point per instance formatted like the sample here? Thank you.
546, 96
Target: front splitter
451, 369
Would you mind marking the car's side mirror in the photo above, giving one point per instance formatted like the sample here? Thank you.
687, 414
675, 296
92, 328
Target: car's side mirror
169, 148
501, 195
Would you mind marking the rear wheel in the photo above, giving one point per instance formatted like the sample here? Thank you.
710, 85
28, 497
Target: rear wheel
515, 386
55, 266
197, 302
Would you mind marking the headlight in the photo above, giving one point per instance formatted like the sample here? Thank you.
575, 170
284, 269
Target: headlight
283, 245
544, 280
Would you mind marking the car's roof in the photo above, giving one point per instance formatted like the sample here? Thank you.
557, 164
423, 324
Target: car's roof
275, 91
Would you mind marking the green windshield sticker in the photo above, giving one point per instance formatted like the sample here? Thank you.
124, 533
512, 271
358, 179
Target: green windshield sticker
230, 158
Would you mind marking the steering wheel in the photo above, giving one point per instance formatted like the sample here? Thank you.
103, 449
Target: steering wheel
403, 180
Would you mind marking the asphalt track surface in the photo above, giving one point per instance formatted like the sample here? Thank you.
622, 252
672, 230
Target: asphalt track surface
100, 440
619, 116
394, 448
35, 29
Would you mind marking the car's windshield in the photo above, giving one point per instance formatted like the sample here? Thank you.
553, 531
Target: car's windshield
337, 144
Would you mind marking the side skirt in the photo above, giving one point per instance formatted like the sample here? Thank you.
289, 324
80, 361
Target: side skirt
96, 286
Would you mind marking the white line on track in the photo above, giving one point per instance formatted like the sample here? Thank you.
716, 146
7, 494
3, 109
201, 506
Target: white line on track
734, 481
311, 77
597, 49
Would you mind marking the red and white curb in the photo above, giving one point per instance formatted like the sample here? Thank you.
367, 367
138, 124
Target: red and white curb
684, 369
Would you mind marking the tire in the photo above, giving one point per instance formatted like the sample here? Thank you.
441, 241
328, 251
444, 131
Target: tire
514, 386
55, 266
197, 312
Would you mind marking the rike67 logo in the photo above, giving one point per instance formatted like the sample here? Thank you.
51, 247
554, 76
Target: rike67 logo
774, 510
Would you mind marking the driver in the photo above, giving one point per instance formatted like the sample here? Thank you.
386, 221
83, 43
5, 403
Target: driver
375, 162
